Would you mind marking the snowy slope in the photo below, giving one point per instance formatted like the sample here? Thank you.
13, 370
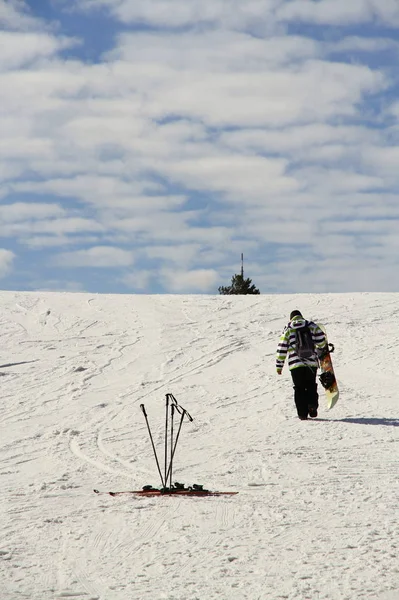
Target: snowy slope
316, 517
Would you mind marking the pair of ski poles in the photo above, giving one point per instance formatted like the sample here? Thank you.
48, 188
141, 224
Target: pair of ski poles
172, 406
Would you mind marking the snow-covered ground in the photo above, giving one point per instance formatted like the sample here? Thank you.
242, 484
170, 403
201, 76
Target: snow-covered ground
316, 517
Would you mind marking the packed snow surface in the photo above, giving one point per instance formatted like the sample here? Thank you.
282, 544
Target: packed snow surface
316, 516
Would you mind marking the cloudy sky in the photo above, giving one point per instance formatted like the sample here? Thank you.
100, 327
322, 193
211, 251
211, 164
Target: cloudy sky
144, 144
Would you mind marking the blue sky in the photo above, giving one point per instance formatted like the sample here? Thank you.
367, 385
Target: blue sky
145, 144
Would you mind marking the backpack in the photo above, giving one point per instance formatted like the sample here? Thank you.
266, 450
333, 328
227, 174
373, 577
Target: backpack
304, 345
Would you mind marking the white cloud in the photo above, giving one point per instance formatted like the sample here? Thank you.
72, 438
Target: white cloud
213, 51
261, 15
369, 226
20, 49
57, 285
113, 198
394, 109
119, 122
180, 254
383, 161
297, 141
289, 228
50, 226
170, 227
6, 261
361, 44
27, 221
314, 91
330, 181
139, 280
340, 12
24, 211
101, 191
186, 255
14, 14
53, 241
330, 274
98, 256
235, 176
197, 280
182, 13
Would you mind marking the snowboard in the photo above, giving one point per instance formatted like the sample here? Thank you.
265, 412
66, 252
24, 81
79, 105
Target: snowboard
327, 375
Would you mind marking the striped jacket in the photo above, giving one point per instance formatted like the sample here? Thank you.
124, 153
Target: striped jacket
287, 345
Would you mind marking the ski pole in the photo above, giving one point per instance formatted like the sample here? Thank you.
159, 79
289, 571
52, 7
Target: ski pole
173, 406
172, 412
166, 438
183, 414
152, 442
179, 408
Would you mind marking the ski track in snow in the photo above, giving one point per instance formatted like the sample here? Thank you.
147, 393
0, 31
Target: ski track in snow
316, 513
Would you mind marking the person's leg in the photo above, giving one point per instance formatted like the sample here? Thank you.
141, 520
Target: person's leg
299, 380
311, 391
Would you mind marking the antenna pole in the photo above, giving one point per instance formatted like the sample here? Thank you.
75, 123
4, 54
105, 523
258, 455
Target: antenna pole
242, 265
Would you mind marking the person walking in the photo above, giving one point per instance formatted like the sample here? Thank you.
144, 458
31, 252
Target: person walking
303, 341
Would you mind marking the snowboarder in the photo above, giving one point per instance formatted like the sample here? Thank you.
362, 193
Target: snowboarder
303, 341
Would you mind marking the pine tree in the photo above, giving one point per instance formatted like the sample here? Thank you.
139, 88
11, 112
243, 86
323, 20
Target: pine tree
239, 285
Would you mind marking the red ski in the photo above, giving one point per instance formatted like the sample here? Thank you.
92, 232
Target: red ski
173, 492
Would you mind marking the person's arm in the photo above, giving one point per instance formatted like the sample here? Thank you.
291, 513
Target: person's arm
282, 350
319, 339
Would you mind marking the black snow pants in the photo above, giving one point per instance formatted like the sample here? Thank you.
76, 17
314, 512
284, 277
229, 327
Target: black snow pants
305, 390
